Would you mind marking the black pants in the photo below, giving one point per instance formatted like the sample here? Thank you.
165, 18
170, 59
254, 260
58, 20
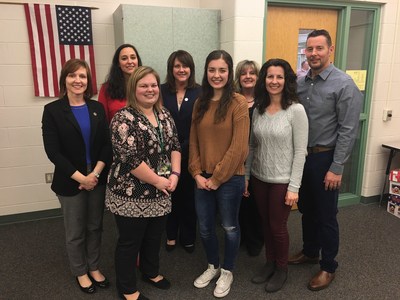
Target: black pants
319, 209
181, 222
137, 235
250, 224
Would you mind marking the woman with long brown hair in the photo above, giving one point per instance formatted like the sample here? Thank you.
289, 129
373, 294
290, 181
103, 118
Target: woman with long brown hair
218, 148
278, 149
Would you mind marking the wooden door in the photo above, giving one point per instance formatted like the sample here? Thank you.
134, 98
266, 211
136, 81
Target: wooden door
284, 24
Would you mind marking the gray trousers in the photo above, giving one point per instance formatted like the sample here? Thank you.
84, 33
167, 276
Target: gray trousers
83, 222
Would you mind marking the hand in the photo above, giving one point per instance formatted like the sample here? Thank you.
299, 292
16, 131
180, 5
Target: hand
332, 181
291, 198
89, 182
173, 182
246, 189
163, 184
211, 185
201, 182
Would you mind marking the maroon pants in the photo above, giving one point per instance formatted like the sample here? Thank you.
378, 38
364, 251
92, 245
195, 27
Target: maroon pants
270, 198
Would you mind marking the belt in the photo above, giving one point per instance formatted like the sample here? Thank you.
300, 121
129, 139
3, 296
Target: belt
318, 149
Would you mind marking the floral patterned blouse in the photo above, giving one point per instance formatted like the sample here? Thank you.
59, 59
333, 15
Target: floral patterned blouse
135, 140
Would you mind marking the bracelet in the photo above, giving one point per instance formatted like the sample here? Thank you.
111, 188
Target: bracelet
176, 173
96, 174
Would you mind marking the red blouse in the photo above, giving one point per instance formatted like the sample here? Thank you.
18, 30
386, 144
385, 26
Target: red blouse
111, 106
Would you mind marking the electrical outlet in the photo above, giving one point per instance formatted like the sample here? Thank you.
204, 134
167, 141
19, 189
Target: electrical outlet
387, 115
48, 177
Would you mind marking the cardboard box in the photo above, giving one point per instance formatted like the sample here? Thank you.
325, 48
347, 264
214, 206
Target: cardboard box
393, 206
394, 175
394, 188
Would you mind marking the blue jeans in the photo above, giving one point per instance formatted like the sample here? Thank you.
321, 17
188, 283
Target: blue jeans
227, 199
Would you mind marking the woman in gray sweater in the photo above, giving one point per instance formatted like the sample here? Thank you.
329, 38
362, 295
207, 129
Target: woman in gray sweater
278, 147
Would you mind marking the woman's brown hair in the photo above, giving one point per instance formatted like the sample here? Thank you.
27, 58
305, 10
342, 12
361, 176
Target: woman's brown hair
70, 67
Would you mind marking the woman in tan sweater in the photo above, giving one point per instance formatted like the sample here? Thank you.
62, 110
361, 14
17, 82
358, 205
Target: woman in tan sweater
217, 151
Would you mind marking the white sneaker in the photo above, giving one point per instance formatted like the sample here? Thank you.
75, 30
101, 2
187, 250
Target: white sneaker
223, 284
204, 279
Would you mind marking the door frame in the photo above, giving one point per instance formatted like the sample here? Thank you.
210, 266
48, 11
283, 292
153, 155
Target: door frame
344, 9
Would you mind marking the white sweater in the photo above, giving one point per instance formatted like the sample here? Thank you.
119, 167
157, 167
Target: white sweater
278, 146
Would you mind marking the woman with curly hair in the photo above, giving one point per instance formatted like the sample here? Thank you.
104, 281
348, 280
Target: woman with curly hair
278, 148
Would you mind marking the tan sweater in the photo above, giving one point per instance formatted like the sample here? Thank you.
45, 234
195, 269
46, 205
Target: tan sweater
220, 149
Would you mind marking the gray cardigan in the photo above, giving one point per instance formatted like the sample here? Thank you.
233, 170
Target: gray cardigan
278, 146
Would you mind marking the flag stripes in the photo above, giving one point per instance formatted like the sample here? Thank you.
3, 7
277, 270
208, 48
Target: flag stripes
48, 53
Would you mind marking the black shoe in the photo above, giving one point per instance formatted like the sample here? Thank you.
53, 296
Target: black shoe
169, 247
277, 280
253, 251
101, 284
189, 248
141, 296
88, 290
163, 284
264, 273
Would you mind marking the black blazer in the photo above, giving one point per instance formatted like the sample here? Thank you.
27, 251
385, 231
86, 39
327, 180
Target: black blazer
65, 147
182, 117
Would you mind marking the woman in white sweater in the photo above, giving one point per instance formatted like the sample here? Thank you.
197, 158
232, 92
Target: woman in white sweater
278, 147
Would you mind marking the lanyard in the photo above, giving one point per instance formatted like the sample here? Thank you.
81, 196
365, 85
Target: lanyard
159, 132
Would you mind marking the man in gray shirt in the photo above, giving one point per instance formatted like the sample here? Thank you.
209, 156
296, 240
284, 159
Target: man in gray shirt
333, 104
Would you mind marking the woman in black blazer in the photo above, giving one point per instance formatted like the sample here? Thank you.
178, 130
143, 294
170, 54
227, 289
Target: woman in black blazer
179, 93
76, 140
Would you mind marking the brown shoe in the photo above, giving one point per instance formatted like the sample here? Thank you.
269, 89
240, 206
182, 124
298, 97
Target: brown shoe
321, 281
300, 258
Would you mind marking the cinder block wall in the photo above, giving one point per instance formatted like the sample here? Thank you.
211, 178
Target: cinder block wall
23, 163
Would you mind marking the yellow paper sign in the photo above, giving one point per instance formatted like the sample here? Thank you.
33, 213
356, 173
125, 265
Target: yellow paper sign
359, 77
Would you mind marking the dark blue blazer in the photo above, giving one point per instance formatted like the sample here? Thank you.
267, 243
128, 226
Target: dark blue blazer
65, 146
182, 117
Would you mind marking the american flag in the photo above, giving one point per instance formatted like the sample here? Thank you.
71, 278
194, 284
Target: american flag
56, 34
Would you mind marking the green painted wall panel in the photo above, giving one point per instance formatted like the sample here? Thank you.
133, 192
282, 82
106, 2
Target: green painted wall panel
158, 31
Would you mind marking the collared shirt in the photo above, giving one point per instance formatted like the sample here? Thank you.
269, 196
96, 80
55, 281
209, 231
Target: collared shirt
333, 105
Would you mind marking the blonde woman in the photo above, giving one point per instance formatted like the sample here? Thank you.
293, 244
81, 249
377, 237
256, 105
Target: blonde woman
246, 76
144, 173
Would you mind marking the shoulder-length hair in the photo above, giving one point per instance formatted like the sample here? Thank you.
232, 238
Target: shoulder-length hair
115, 80
207, 91
242, 66
187, 60
139, 74
70, 67
289, 93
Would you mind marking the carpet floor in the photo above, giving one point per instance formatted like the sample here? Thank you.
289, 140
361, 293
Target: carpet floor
34, 264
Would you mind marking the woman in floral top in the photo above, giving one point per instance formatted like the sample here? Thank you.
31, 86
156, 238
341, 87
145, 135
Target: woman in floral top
145, 170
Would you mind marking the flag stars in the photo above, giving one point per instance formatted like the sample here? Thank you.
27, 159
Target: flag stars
74, 25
